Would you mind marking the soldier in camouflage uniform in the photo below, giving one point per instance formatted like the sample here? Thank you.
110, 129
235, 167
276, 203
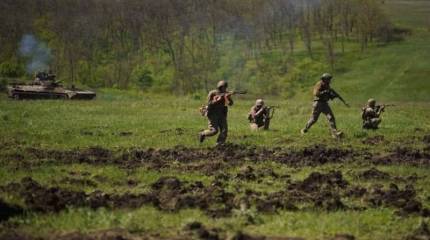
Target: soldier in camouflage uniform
322, 94
371, 115
218, 102
259, 116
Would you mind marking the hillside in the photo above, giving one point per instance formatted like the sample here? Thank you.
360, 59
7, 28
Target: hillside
397, 71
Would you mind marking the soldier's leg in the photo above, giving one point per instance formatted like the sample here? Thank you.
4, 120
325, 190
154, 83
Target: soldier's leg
332, 121
316, 111
223, 130
253, 126
213, 127
374, 122
330, 117
367, 124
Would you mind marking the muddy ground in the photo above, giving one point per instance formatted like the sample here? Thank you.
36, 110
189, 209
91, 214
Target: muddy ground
323, 191
208, 160
194, 230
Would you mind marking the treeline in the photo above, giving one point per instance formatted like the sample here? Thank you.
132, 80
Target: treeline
187, 45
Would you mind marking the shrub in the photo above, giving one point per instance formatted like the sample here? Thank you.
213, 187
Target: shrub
142, 77
11, 69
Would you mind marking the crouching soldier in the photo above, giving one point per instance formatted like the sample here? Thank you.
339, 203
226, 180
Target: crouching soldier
322, 94
259, 116
217, 108
372, 114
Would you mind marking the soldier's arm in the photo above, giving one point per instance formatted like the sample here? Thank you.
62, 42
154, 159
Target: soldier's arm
230, 100
334, 94
251, 114
380, 110
317, 89
260, 112
211, 97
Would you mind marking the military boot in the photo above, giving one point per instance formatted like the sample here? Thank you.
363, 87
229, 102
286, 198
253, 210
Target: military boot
337, 134
202, 137
303, 131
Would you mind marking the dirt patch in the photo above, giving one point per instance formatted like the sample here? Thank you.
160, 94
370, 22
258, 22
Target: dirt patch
125, 134
248, 173
343, 237
8, 210
408, 179
404, 155
244, 236
194, 230
320, 190
53, 199
374, 173
110, 234
199, 231
374, 140
355, 192
39, 198
274, 202
171, 194
402, 199
168, 194
194, 158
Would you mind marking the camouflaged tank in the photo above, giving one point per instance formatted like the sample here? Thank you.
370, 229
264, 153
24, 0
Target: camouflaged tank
47, 88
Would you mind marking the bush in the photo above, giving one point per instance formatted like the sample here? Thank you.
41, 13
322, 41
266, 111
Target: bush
11, 69
142, 77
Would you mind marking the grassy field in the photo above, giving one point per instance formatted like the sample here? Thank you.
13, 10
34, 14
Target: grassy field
89, 150
124, 121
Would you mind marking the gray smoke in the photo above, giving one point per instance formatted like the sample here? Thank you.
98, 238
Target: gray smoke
37, 53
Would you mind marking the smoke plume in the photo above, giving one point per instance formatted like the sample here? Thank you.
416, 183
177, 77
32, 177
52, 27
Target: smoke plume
37, 53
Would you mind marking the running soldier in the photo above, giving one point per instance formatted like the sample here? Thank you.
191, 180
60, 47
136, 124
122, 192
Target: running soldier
322, 94
217, 108
259, 116
372, 115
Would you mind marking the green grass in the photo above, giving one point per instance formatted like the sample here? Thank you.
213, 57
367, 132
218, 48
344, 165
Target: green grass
394, 73
370, 224
168, 121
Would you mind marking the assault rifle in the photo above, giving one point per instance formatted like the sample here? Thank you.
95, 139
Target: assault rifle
271, 110
381, 108
231, 93
205, 108
225, 95
334, 94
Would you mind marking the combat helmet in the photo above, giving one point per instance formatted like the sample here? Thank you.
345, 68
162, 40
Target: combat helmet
221, 84
259, 102
326, 76
371, 102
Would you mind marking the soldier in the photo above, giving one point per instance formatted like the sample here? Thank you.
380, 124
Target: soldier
371, 115
218, 102
51, 76
39, 78
42, 78
322, 94
259, 116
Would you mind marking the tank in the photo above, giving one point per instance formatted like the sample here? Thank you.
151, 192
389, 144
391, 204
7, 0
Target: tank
45, 87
